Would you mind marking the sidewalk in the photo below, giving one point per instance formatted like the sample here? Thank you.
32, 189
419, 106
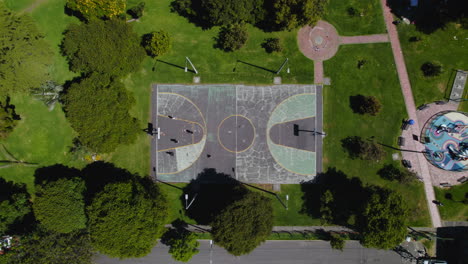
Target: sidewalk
421, 167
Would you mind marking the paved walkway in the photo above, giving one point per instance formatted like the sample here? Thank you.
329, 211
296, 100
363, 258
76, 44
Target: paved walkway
321, 43
377, 38
420, 165
34, 5
206, 228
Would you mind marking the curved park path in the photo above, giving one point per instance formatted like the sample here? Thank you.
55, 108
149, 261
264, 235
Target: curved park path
421, 167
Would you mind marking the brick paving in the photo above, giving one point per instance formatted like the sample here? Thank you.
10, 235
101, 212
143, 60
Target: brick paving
377, 38
318, 71
420, 164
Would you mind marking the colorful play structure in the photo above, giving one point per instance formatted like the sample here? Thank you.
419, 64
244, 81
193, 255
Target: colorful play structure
445, 136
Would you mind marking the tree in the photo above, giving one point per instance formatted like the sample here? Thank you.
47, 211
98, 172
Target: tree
59, 205
391, 172
326, 201
8, 118
232, 37
226, 12
25, 55
126, 218
89, 9
53, 248
14, 204
244, 224
361, 104
366, 150
108, 47
337, 242
49, 93
383, 220
431, 69
290, 14
91, 108
272, 45
137, 11
183, 244
157, 43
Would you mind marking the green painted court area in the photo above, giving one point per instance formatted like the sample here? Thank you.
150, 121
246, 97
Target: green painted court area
256, 134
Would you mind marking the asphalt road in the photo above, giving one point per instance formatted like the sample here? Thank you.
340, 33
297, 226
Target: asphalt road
273, 252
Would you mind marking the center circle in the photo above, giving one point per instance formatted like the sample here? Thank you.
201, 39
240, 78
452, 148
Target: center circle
318, 40
236, 133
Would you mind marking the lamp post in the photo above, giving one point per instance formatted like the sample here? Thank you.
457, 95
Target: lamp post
287, 199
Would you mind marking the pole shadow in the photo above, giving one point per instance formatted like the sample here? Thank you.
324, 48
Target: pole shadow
256, 66
175, 65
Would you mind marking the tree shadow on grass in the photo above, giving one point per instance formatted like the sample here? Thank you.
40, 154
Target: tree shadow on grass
53, 173
349, 196
214, 191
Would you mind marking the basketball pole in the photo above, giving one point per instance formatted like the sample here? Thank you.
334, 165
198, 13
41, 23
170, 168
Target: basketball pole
282, 66
187, 60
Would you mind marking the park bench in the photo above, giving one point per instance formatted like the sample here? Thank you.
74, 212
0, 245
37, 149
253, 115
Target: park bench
445, 184
422, 107
401, 141
406, 163
462, 179
405, 125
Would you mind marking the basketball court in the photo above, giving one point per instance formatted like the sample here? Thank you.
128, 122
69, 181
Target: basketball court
256, 134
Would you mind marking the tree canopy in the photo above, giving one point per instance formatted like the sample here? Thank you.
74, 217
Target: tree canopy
384, 217
53, 248
89, 9
59, 205
108, 47
183, 244
126, 218
157, 43
24, 55
14, 204
243, 224
92, 109
290, 14
225, 12
8, 118
232, 37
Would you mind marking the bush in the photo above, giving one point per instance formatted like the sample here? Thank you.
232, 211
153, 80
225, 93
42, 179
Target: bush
431, 69
137, 11
361, 104
383, 222
244, 224
366, 150
353, 12
59, 205
337, 242
108, 47
157, 43
232, 37
14, 204
272, 45
8, 118
101, 123
291, 14
126, 218
182, 244
25, 57
98, 8
392, 173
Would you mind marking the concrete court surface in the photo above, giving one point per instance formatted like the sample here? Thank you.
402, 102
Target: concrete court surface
272, 252
243, 131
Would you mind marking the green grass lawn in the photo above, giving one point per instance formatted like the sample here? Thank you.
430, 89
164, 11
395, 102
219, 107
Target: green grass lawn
371, 21
378, 78
440, 47
40, 137
293, 215
18, 5
454, 209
